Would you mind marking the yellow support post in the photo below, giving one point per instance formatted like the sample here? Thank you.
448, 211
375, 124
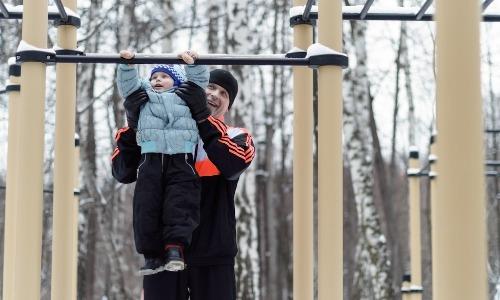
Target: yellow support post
330, 165
12, 182
459, 232
415, 229
29, 157
64, 169
74, 221
303, 256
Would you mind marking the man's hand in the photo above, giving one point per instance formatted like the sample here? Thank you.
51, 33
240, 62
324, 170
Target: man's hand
196, 100
127, 54
132, 106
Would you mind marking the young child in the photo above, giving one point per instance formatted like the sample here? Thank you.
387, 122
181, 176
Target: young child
167, 193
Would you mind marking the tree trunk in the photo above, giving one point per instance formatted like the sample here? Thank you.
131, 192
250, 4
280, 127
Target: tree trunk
86, 131
237, 41
372, 271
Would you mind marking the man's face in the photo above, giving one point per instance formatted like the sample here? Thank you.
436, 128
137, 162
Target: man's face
161, 81
217, 99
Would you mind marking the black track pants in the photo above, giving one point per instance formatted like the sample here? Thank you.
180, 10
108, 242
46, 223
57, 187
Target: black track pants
195, 283
166, 202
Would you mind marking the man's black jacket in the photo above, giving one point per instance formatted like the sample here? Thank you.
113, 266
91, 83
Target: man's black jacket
221, 156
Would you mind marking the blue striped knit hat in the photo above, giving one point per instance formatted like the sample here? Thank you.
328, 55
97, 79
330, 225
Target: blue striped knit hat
176, 72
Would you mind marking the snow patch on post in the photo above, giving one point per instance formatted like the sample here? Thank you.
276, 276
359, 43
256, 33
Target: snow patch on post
296, 52
320, 55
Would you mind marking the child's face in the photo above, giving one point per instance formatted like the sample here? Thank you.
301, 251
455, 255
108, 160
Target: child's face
161, 81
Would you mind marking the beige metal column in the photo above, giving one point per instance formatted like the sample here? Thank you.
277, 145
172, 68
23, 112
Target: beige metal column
433, 160
459, 232
303, 257
415, 238
330, 166
64, 168
30, 157
74, 221
10, 197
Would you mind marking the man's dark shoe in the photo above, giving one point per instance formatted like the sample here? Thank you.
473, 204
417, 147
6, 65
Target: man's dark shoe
152, 266
174, 258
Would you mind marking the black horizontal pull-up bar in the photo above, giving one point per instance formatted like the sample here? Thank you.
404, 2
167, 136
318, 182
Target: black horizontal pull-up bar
493, 163
173, 59
63, 56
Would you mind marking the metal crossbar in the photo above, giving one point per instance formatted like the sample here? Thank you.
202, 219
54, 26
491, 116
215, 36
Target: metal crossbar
400, 14
5, 11
60, 17
487, 3
365, 9
307, 10
16, 15
423, 9
62, 10
493, 163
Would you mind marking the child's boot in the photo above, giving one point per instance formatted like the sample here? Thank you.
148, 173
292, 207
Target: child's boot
152, 266
174, 258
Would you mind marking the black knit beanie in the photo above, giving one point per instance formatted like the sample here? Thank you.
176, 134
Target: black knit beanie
227, 81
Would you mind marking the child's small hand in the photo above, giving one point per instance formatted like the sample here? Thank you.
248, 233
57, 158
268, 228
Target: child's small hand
188, 56
127, 54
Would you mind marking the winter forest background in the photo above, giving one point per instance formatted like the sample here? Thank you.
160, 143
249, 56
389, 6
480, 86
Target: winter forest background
389, 98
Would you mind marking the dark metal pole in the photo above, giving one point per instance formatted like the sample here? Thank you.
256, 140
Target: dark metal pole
487, 3
365, 9
307, 10
62, 10
423, 9
5, 11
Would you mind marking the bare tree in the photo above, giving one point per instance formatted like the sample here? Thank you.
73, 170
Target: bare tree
237, 38
372, 272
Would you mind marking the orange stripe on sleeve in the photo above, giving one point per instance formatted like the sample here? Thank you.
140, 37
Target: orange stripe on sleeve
217, 125
115, 153
119, 133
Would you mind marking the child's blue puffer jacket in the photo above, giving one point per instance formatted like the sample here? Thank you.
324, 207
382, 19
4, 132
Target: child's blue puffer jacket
165, 122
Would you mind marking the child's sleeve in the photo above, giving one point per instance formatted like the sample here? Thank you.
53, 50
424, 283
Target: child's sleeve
127, 80
198, 74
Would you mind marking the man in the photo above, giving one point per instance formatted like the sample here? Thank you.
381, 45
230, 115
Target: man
221, 156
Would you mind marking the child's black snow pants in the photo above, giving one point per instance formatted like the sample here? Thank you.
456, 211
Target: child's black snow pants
166, 202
